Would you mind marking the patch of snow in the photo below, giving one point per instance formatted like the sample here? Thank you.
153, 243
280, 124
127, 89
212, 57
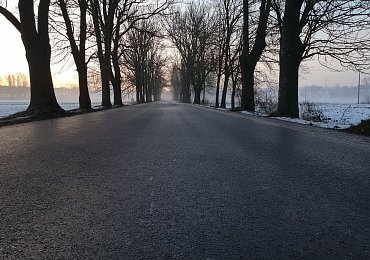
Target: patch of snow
345, 114
257, 113
324, 124
336, 116
13, 106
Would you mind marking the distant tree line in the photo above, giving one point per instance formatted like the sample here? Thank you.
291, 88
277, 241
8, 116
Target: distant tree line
23, 93
223, 45
15, 80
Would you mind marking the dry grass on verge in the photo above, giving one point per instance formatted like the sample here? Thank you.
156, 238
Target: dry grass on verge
362, 128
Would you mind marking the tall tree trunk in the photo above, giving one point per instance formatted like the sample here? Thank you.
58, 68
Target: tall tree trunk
142, 85
143, 80
219, 75
204, 96
106, 100
217, 103
227, 64
117, 92
38, 54
138, 84
142, 98
107, 69
185, 93
138, 90
247, 69
226, 85
197, 92
42, 91
290, 58
103, 63
250, 58
84, 97
148, 83
233, 96
234, 81
288, 83
148, 94
78, 53
116, 78
185, 89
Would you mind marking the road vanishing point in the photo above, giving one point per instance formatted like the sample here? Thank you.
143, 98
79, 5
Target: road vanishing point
175, 181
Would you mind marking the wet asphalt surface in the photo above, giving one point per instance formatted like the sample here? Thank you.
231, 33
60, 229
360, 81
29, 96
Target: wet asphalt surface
175, 181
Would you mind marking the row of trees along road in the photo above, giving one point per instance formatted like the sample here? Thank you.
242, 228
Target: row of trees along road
224, 43
243, 40
94, 31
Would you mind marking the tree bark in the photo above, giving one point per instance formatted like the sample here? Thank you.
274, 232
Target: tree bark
247, 69
42, 91
197, 92
288, 83
227, 59
224, 89
185, 90
116, 78
78, 53
290, 59
117, 93
233, 96
218, 89
185, 93
250, 58
84, 96
103, 63
219, 74
38, 53
137, 85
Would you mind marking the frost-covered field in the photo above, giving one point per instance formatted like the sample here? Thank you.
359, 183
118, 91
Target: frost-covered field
11, 107
338, 116
335, 115
345, 114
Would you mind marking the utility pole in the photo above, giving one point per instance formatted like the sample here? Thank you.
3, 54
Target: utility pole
358, 89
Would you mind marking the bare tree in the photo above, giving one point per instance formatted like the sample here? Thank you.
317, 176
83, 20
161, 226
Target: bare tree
143, 61
103, 16
235, 73
176, 82
192, 33
10, 78
77, 43
22, 80
112, 20
16, 80
220, 48
330, 30
35, 37
253, 47
231, 14
139, 41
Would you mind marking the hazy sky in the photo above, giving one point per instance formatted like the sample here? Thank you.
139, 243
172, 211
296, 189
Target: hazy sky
12, 60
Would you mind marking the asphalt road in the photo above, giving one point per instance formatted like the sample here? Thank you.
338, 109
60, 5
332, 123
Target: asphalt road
175, 181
